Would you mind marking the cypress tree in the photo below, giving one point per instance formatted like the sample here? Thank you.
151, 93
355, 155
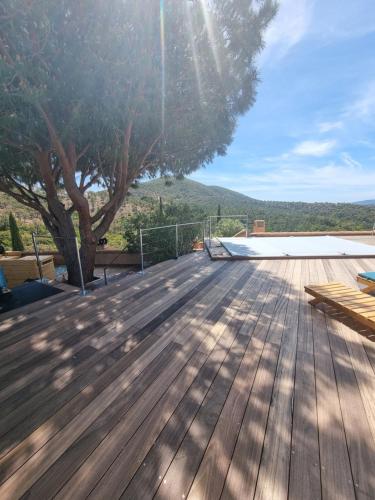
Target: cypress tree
17, 244
161, 209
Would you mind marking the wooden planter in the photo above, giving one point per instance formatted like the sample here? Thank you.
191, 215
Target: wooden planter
18, 270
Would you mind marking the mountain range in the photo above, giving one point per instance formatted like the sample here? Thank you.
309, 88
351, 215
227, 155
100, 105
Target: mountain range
365, 202
279, 215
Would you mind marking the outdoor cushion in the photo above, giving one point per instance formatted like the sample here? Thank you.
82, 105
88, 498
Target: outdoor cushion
3, 281
368, 276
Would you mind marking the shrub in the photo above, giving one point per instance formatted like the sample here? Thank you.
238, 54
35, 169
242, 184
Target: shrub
228, 227
17, 244
160, 244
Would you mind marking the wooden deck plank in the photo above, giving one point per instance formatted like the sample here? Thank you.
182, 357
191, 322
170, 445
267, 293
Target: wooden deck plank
336, 476
70, 467
66, 465
191, 440
304, 475
275, 398
108, 465
126, 463
14, 378
360, 363
210, 478
244, 468
274, 467
67, 412
117, 329
14, 322
86, 319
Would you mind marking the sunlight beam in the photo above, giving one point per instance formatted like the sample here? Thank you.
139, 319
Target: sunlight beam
194, 50
211, 34
162, 46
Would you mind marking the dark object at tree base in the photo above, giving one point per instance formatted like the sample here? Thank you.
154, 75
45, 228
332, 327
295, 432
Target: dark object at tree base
24, 294
102, 242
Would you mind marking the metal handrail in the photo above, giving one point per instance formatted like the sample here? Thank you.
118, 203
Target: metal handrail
36, 249
172, 225
176, 226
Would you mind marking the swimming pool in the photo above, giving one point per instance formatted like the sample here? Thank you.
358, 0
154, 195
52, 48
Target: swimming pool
296, 246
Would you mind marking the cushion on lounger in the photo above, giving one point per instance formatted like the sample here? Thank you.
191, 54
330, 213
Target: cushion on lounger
368, 276
3, 281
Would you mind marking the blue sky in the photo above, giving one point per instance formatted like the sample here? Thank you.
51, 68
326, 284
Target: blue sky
310, 134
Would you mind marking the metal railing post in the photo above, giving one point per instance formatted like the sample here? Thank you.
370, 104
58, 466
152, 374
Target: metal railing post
247, 226
83, 290
204, 236
36, 250
142, 257
210, 221
176, 241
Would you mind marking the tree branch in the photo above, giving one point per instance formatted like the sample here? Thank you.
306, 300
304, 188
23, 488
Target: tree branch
24, 199
83, 152
120, 188
68, 161
93, 180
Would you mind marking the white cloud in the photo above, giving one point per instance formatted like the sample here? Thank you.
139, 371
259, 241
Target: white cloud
364, 106
314, 148
350, 161
287, 29
343, 180
328, 126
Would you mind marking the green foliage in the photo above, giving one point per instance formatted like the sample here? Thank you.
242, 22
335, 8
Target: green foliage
116, 69
97, 95
279, 216
144, 204
115, 240
218, 213
160, 244
16, 239
228, 227
161, 210
4, 223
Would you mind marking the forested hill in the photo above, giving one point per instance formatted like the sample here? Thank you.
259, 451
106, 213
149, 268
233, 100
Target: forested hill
365, 202
195, 193
279, 216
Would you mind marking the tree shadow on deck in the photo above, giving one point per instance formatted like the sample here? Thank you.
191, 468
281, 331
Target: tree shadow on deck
256, 413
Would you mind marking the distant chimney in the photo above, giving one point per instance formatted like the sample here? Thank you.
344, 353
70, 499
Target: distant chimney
259, 226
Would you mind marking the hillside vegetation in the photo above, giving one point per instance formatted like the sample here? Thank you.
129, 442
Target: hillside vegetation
279, 216
203, 201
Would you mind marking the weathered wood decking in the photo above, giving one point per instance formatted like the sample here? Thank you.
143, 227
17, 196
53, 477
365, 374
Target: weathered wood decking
199, 380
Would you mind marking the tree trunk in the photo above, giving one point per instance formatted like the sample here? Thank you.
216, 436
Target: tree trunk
64, 237
88, 253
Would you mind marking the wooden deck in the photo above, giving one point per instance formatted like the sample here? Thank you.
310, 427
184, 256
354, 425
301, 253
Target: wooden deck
200, 380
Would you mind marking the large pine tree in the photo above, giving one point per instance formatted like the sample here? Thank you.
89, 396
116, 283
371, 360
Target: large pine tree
103, 94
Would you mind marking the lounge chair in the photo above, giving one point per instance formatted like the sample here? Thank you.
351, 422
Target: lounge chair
367, 279
358, 305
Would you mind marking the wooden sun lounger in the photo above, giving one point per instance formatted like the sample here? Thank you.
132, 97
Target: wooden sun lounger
358, 305
370, 284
